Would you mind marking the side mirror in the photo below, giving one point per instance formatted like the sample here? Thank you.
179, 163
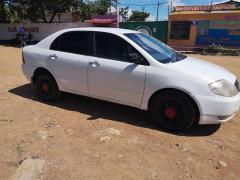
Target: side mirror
135, 58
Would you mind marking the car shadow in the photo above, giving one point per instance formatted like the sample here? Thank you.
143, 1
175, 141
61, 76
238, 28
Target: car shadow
97, 109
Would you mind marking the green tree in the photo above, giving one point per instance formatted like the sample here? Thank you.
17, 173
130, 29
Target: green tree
34, 10
138, 16
101, 7
85, 10
123, 12
2, 11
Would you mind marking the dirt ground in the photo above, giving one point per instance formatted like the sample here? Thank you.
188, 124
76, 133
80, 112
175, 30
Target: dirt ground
83, 138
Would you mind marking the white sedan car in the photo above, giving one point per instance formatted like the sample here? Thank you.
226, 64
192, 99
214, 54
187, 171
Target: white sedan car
134, 69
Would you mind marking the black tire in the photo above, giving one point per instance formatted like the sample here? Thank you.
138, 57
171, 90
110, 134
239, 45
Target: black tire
173, 111
46, 88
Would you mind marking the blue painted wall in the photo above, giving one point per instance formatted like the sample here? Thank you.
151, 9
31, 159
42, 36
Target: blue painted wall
226, 33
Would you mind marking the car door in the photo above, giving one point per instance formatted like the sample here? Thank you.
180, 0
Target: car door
111, 75
69, 60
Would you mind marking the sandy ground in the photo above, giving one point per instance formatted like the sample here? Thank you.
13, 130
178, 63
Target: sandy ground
83, 138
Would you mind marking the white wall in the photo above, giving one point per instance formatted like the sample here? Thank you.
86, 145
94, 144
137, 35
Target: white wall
38, 30
64, 17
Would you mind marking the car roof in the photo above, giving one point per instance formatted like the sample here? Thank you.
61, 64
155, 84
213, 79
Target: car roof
103, 29
45, 43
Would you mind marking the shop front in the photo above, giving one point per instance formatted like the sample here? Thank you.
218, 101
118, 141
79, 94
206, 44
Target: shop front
194, 26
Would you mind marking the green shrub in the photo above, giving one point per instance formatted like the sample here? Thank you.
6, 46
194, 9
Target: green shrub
220, 50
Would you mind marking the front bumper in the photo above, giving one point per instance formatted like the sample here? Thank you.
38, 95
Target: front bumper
217, 109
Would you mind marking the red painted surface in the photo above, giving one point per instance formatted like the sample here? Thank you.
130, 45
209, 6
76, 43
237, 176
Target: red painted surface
170, 113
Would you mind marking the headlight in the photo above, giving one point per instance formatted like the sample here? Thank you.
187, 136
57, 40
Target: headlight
223, 88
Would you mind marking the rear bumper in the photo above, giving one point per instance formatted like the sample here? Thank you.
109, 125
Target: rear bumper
217, 109
27, 71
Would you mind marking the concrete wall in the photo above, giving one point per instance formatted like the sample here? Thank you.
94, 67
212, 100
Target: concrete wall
196, 17
38, 30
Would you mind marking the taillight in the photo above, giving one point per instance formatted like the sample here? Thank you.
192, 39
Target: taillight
23, 60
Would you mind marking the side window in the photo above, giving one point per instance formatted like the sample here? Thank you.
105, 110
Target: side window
72, 42
55, 44
110, 46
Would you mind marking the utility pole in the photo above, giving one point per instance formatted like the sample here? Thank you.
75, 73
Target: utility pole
158, 10
211, 6
168, 9
117, 11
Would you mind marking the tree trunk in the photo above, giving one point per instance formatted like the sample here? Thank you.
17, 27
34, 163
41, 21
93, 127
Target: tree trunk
43, 13
52, 17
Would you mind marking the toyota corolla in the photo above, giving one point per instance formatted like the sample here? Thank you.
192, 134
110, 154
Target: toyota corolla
134, 69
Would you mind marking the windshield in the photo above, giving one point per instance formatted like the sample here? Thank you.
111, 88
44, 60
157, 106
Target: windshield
155, 48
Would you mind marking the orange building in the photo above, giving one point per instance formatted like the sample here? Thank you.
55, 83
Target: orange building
196, 26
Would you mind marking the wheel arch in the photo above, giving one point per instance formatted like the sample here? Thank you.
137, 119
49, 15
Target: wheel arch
41, 70
185, 93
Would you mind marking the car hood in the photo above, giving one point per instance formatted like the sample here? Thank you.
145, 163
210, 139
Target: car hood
203, 69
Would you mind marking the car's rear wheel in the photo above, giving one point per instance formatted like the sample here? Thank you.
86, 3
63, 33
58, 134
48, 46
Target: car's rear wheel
46, 87
173, 111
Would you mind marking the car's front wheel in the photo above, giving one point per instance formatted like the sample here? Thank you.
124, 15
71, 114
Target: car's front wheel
46, 87
173, 111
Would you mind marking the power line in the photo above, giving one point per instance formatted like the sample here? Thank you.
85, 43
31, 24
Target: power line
123, 4
153, 4
145, 5
137, 4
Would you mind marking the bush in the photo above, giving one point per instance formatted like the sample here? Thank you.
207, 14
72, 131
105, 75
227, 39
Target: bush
220, 50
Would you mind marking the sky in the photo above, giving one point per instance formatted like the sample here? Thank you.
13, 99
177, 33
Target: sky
163, 9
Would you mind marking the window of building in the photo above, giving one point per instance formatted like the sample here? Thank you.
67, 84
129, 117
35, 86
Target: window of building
180, 30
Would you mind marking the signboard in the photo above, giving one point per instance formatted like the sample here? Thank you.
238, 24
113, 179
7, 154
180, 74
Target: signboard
26, 29
38, 30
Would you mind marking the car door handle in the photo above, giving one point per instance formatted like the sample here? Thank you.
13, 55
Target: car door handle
53, 57
94, 64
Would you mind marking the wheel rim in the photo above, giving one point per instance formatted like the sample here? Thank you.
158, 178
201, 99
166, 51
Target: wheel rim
172, 113
45, 88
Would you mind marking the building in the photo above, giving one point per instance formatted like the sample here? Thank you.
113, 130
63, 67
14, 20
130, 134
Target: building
197, 26
103, 21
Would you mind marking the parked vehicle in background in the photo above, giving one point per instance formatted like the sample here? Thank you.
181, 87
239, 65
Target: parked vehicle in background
134, 69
